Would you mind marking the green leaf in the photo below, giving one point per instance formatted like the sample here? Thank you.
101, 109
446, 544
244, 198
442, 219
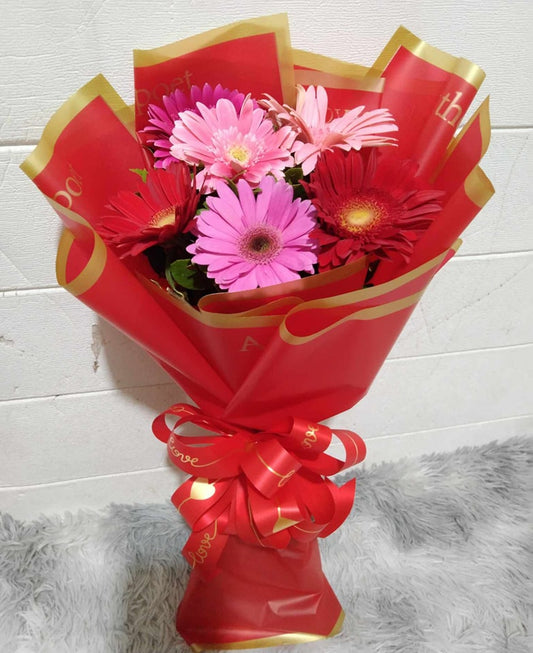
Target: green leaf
143, 174
233, 186
187, 274
294, 175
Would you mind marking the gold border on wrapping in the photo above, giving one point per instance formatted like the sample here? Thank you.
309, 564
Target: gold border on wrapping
484, 127
363, 314
363, 294
97, 87
276, 23
292, 288
277, 640
249, 319
329, 65
478, 187
220, 320
90, 273
94, 267
470, 72
381, 289
330, 80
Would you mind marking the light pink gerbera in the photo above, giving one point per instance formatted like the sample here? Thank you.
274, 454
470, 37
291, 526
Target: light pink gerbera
231, 144
248, 242
161, 119
355, 129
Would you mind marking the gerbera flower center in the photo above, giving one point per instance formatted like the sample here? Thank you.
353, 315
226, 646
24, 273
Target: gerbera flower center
164, 217
362, 214
239, 153
260, 244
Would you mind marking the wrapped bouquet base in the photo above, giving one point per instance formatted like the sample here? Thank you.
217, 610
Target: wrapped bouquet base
260, 597
324, 228
256, 577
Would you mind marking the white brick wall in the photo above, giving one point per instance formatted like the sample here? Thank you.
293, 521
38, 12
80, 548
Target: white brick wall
77, 399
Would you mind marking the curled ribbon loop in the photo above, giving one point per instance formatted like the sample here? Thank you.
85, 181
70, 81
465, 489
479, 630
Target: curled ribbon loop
265, 487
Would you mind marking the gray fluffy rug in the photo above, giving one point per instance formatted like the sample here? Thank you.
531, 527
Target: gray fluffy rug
436, 558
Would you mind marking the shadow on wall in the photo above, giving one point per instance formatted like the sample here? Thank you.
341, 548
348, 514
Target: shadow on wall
133, 371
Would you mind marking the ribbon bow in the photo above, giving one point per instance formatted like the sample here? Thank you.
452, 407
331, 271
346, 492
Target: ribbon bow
267, 488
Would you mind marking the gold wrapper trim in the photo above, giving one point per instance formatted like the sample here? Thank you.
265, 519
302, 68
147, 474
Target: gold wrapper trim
276, 640
277, 23
375, 291
478, 187
237, 321
94, 267
291, 288
220, 320
97, 87
363, 314
330, 65
483, 114
329, 80
90, 273
470, 72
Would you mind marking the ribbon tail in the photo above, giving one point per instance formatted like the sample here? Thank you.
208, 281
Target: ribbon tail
204, 548
343, 498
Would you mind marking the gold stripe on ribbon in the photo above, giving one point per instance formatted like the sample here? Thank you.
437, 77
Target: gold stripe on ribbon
201, 490
276, 640
284, 477
252, 525
282, 522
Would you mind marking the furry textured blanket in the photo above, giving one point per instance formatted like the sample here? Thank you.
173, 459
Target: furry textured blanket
435, 558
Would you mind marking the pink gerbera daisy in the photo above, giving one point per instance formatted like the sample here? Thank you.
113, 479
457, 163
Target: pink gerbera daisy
162, 208
369, 205
231, 144
248, 242
355, 129
162, 118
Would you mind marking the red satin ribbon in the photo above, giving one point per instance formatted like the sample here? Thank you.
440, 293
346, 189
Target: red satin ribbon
264, 487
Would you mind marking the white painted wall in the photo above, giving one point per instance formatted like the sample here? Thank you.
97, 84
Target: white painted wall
77, 399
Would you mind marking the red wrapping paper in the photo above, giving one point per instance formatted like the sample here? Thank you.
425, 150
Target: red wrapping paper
264, 367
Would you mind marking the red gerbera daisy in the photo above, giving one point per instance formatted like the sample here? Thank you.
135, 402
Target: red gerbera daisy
160, 209
367, 204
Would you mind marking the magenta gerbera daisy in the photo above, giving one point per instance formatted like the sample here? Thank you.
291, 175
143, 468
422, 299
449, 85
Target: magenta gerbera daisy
248, 241
162, 118
368, 205
160, 209
231, 144
355, 129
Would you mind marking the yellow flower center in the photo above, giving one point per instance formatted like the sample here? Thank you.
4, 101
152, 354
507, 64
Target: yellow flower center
239, 153
362, 214
164, 217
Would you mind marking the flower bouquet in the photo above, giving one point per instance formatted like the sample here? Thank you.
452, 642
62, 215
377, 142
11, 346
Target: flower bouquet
263, 222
